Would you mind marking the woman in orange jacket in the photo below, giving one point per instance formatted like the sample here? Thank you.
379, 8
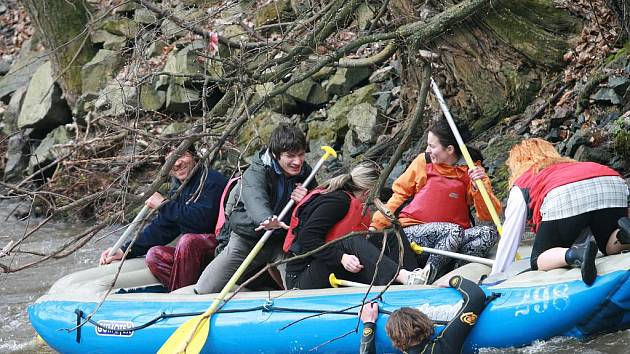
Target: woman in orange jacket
433, 198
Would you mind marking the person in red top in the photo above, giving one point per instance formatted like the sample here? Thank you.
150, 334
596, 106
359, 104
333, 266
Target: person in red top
433, 198
333, 210
562, 199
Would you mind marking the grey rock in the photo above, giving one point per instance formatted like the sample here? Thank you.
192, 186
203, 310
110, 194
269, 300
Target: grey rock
100, 70
181, 61
606, 95
282, 103
579, 138
353, 146
43, 107
155, 48
553, 136
182, 99
364, 16
308, 91
559, 116
17, 157
110, 41
122, 27
345, 79
618, 83
46, 151
598, 154
5, 66
175, 128
144, 16
170, 29
116, 98
332, 131
22, 69
13, 111
382, 74
363, 120
151, 99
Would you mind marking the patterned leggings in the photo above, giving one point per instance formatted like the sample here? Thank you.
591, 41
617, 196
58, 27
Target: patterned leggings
475, 241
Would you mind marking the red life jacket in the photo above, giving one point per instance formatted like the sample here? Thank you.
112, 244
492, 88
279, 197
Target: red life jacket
535, 187
442, 199
226, 192
353, 221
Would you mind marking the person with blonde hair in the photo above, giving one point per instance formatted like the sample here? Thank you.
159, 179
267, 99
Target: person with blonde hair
562, 198
331, 211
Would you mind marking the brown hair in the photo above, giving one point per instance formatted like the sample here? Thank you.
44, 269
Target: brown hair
407, 327
536, 154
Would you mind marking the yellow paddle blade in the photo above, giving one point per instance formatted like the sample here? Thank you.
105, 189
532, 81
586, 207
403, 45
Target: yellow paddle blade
333, 280
192, 331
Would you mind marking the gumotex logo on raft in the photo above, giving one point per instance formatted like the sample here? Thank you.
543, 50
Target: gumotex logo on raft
114, 328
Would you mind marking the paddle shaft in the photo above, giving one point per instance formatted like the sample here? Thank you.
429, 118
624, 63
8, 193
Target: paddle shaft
466, 154
419, 249
130, 228
351, 283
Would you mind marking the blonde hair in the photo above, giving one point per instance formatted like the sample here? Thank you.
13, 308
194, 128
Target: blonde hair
535, 154
362, 177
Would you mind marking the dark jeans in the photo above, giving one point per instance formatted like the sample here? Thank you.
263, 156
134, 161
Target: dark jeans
315, 275
180, 266
565, 232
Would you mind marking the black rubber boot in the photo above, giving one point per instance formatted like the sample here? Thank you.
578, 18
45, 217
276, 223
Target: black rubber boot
583, 255
624, 231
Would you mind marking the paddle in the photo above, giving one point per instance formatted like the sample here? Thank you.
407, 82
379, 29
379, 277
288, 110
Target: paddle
191, 336
334, 282
469, 161
130, 228
465, 257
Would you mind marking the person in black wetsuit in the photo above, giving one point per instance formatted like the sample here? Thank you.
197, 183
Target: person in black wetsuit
411, 331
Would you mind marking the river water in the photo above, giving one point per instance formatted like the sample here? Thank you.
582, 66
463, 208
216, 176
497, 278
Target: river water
18, 290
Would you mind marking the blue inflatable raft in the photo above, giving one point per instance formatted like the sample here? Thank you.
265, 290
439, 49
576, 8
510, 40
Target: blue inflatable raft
532, 306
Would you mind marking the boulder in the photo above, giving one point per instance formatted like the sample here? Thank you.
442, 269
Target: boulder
364, 16
282, 103
345, 79
122, 27
116, 98
170, 29
46, 151
22, 69
257, 130
43, 107
150, 98
17, 148
333, 129
606, 95
5, 65
274, 12
363, 121
144, 16
155, 48
110, 41
618, 83
598, 154
182, 61
175, 128
100, 70
182, 99
308, 91
579, 138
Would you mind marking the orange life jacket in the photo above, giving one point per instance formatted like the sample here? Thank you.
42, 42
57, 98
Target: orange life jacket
442, 199
353, 221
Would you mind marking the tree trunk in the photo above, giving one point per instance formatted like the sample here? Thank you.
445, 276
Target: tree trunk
492, 65
62, 25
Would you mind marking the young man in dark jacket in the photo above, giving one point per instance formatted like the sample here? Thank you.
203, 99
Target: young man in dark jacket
193, 218
411, 331
273, 178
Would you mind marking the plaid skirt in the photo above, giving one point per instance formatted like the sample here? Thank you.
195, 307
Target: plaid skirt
583, 196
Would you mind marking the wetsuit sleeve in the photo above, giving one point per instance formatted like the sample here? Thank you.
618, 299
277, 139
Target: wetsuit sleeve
312, 232
368, 345
453, 336
513, 227
404, 187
